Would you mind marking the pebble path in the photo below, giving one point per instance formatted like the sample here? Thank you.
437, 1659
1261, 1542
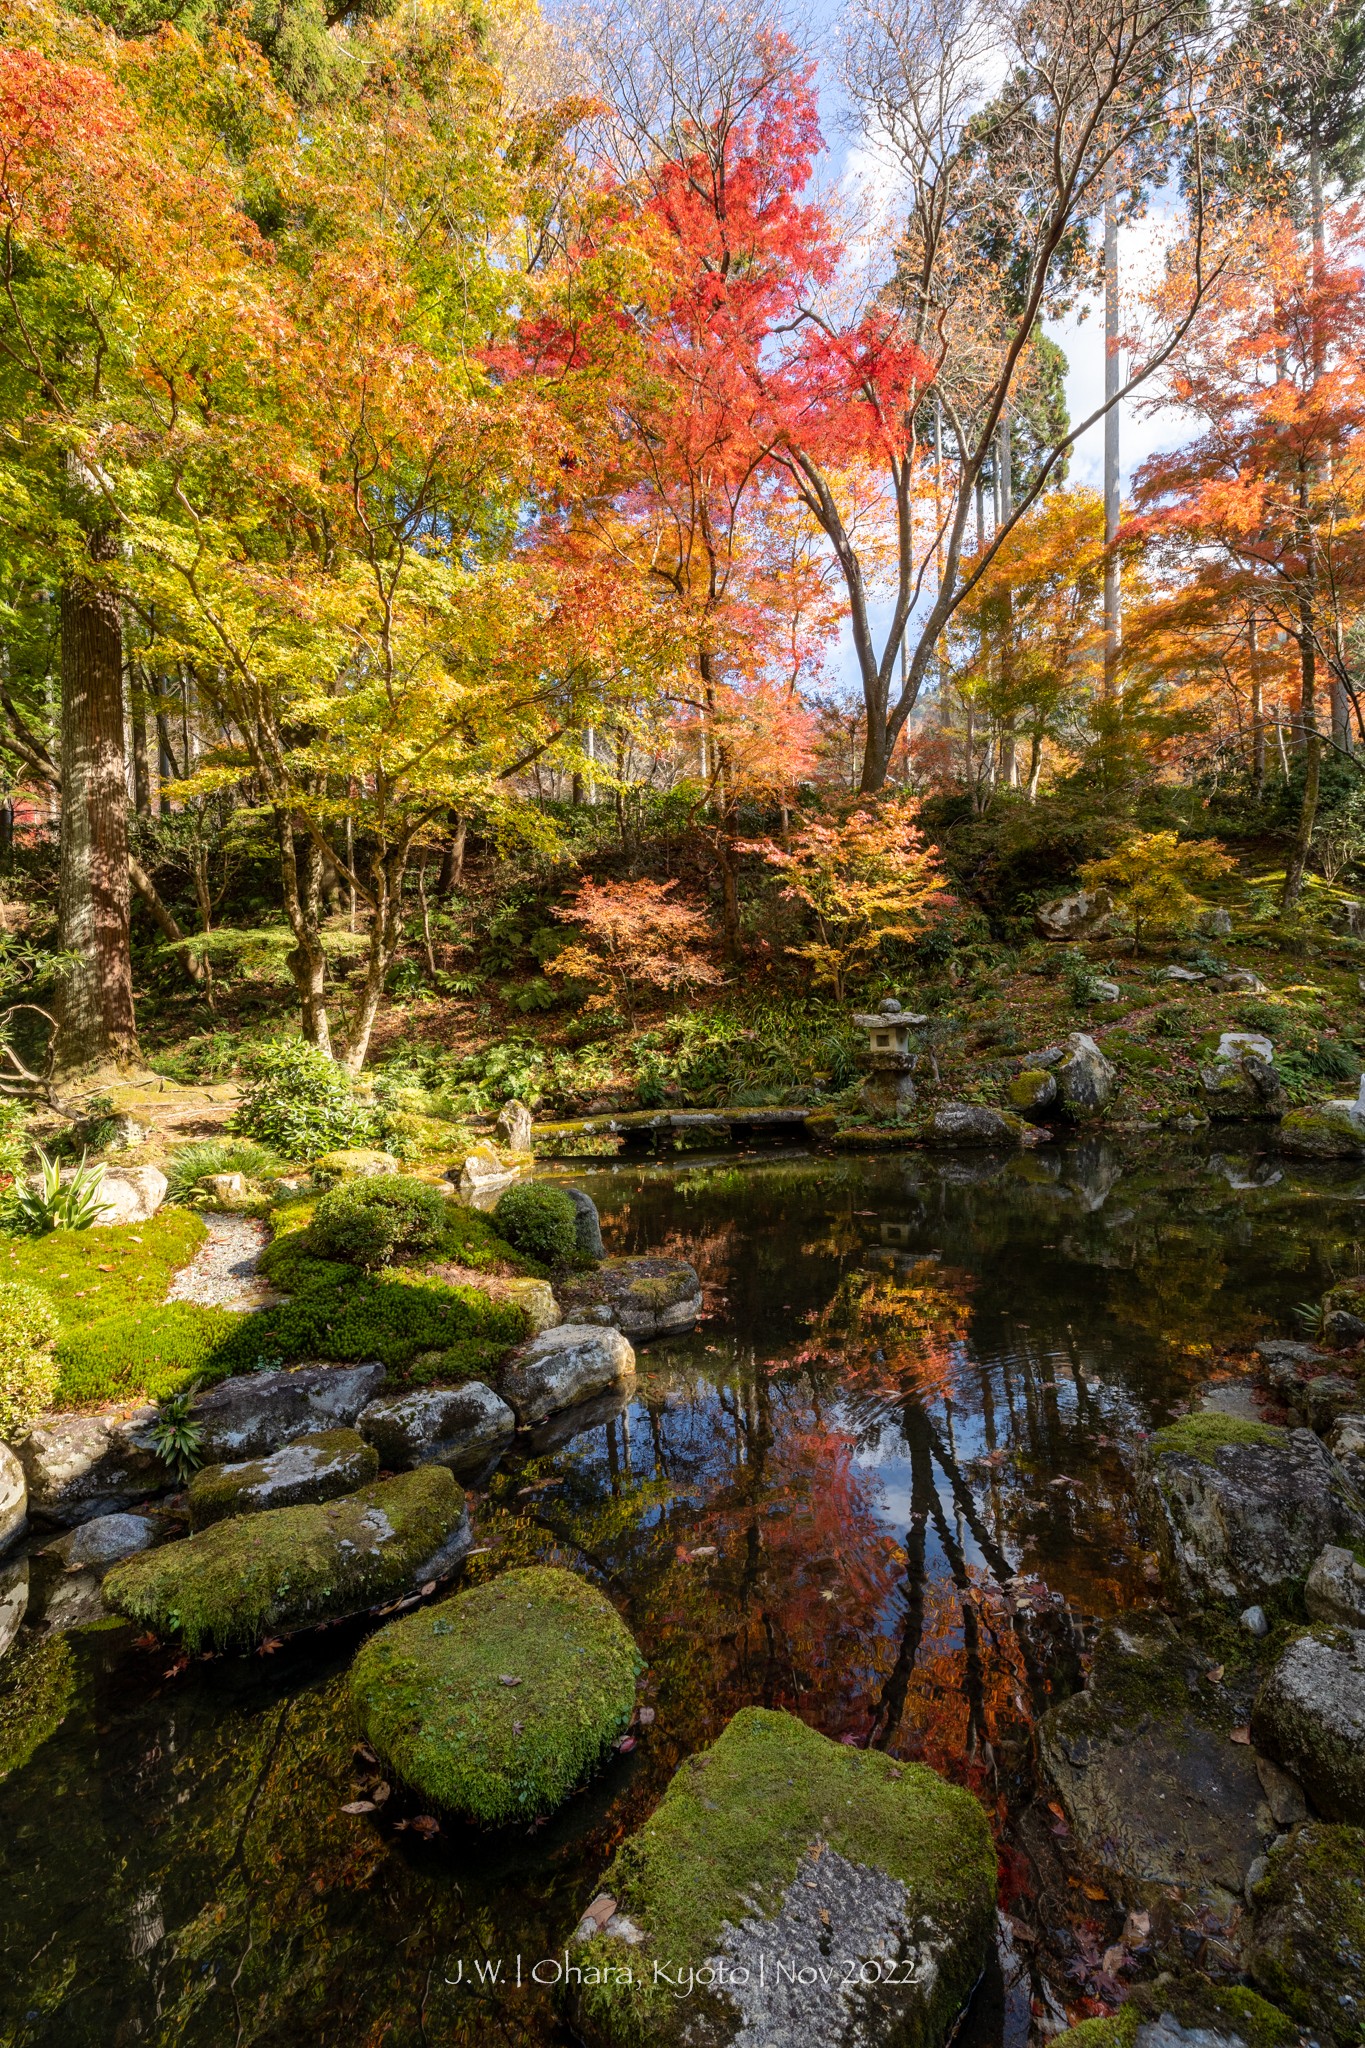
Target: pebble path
222, 1273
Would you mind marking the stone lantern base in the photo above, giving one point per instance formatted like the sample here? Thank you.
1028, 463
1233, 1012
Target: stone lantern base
889, 1091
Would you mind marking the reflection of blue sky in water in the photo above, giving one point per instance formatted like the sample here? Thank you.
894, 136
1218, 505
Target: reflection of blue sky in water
174, 1864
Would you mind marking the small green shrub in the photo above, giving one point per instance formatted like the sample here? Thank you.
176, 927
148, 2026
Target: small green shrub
369, 1223
14, 1141
390, 1319
178, 1438
472, 1239
28, 1371
300, 1102
538, 1220
188, 1164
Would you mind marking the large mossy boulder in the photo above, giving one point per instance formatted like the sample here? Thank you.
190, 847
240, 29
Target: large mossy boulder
564, 1366
497, 1704
640, 1297
772, 1856
288, 1569
456, 1426
1242, 1086
1239, 1510
1310, 1717
975, 1123
1159, 1798
1308, 1936
256, 1413
320, 1467
1085, 1079
1327, 1130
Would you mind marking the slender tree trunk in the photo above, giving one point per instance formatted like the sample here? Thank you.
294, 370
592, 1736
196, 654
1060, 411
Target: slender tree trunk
96, 1027
1112, 382
426, 919
1303, 839
386, 928
302, 887
452, 860
142, 776
1257, 709
1035, 766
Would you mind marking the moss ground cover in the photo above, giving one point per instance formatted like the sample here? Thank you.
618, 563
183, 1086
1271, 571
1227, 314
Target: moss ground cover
90, 1273
732, 1828
290, 1567
1203, 1436
498, 1703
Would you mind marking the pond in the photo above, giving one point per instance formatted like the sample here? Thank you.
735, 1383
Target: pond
884, 1485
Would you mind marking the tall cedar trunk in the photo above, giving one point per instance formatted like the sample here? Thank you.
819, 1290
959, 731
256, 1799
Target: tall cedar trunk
1308, 811
96, 1027
1257, 708
302, 886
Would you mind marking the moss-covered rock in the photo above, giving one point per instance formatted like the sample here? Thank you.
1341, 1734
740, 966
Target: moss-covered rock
640, 1297
37, 1681
293, 1567
1032, 1093
777, 1847
1327, 1130
353, 1162
1310, 1716
323, 1466
1308, 1937
495, 1705
1239, 1510
1185, 2012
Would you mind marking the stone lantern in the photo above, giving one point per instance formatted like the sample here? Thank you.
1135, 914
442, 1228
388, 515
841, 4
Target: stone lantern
888, 1090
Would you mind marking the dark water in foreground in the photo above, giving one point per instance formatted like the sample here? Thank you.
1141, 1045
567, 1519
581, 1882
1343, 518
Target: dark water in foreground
882, 1485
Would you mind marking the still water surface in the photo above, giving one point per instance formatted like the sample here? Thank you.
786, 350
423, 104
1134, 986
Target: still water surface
883, 1485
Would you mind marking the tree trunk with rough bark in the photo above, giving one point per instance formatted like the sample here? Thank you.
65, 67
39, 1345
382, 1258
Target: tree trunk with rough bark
96, 1026
1308, 811
302, 886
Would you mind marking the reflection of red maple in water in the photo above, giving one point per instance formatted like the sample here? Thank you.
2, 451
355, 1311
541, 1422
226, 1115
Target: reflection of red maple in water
893, 1334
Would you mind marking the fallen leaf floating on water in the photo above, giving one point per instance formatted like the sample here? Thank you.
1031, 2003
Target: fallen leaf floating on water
428, 1589
381, 1793
359, 1806
425, 1824
269, 1645
363, 1750
1240, 1735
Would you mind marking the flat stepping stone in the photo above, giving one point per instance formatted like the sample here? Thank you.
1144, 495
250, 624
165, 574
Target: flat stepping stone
268, 1574
1156, 1792
497, 1704
773, 1856
320, 1467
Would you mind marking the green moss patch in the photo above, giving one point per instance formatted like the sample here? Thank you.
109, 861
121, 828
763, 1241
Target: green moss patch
1194, 2003
145, 1354
141, 1258
1308, 1947
435, 1702
323, 1466
37, 1682
292, 1567
1203, 1436
727, 1838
